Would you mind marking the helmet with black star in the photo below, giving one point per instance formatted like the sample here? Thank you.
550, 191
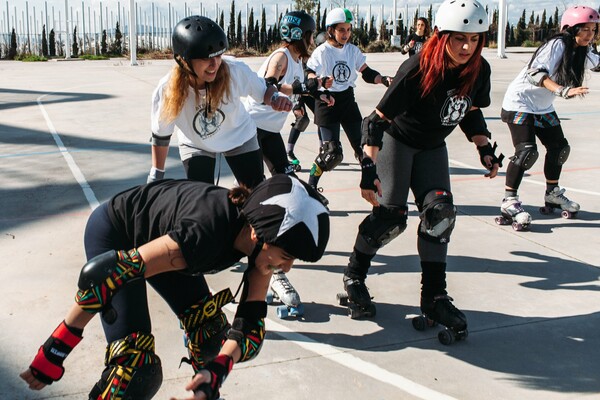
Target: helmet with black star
286, 212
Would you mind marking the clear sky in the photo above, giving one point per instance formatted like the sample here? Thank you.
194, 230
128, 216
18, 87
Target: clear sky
271, 6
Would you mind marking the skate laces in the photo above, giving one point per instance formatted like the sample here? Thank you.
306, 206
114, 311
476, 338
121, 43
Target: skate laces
283, 281
559, 194
448, 300
514, 205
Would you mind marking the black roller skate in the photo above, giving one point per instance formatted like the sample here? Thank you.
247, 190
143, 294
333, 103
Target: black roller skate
322, 198
440, 310
357, 299
294, 161
557, 199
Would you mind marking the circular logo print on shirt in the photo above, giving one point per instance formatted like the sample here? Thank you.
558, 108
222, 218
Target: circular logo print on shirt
341, 73
454, 110
207, 125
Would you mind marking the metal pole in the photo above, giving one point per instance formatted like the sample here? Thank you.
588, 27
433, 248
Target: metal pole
132, 33
83, 25
502, 14
67, 41
27, 25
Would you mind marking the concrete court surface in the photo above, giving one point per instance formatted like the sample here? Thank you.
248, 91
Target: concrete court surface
74, 133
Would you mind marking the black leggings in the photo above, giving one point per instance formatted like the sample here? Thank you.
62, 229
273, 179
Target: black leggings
180, 291
552, 138
273, 151
246, 167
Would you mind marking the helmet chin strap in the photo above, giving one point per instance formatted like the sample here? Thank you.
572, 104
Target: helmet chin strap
251, 264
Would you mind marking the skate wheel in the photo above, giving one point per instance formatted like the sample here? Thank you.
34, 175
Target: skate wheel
419, 323
269, 298
297, 167
546, 210
462, 335
446, 337
517, 226
297, 311
501, 221
282, 312
568, 214
342, 299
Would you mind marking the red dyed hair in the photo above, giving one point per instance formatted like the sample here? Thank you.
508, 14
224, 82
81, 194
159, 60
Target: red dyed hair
434, 63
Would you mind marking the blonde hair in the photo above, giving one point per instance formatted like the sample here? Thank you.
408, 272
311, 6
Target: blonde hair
176, 92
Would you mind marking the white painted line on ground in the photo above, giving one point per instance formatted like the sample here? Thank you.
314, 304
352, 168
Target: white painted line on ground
347, 360
528, 180
87, 190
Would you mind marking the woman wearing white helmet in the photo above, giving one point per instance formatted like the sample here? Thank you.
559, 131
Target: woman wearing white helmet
200, 101
405, 149
556, 69
340, 61
176, 232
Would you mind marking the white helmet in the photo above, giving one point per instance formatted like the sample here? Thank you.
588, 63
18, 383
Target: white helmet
467, 16
339, 16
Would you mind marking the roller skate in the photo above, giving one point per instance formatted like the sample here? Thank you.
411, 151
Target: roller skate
557, 199
440, 310
356, 298
513, 214
281, 289
294, 161
322, 198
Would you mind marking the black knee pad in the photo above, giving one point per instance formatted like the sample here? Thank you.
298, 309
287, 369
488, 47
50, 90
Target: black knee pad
330, 156
301, 122
526, 155
560, 153
383, 225
133, 370
206, 327
438, 215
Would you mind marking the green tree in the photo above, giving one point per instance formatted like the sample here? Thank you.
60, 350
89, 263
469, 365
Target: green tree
323, 21
556, 21
263, 31
231, 30
52, 45
44, 42
12, 50
75, 46
521, 30
318, 15
116, 46
307, 5
103, 46
239, 37
250, 40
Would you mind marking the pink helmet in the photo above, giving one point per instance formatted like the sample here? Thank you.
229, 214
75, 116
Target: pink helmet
578, 15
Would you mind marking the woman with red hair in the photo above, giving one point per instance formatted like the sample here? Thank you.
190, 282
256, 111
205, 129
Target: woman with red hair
404, 141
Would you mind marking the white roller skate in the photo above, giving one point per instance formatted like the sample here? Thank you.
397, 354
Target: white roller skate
281, 289
513, 214
557, 199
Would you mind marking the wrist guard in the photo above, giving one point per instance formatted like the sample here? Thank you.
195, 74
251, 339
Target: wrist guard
489, 150
47, 364
372, 129
102, 276
248, 328
385, 80
368, 74
368, 174
563, 91
219, 368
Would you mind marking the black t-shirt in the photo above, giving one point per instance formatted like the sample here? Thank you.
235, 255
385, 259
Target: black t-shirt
198, 216
424, 123
419, 41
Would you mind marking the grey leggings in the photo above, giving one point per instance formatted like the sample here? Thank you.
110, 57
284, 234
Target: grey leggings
400, 168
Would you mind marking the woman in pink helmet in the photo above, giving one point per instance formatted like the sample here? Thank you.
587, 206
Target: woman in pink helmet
556, 69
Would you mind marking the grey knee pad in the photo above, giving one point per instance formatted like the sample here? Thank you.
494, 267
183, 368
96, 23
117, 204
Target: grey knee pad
301, 122
438, 215
383, 225
330, 155
526, 155
559, 154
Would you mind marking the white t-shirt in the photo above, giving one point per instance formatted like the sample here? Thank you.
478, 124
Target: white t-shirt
342, 64
230, 125
264, 116
522, 96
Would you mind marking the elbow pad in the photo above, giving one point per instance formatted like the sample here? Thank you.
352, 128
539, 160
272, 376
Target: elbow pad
536, 76
248, 328
160, 141
372, 129
369, 75
474, 124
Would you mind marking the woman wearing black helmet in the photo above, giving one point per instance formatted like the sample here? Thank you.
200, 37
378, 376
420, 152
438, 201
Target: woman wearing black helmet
199, 100
177, 231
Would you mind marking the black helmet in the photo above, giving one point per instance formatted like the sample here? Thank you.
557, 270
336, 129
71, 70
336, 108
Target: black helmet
295, 24
198, 37
286, 212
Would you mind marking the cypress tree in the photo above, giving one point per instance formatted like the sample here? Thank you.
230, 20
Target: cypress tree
12, 50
